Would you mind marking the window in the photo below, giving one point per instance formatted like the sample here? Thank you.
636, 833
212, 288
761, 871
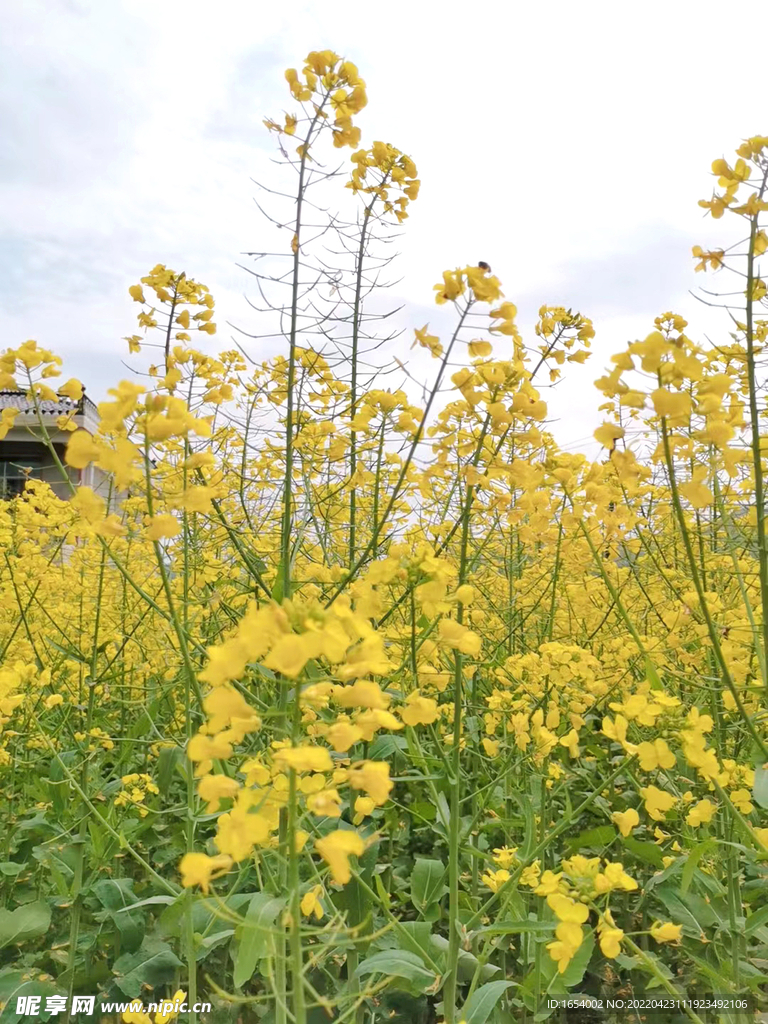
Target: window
14, 473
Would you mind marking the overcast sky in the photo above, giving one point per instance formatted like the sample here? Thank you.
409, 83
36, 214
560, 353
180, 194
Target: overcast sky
564, 143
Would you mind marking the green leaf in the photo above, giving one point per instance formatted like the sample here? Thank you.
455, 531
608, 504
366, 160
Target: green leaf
209, 942
11, 868
576, 969
69, 651
355, 901
398, 963
478, 1007
692, 861
431, 913
644, 850
760, 788
427, 882
153, 964
519, 928
15, 983
443, 812
652, 675
756, 920
166, 766
414, 935
468, 964
277, 588
594, 837
150, 902
253, 938
27, 922
59, 864
530, 823
385, 746
652, 965
396, 1007
629, 963
117, 897
206, 914
693, 913
422, 809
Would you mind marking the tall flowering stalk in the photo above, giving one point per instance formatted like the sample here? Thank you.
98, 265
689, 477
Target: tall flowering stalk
375, 709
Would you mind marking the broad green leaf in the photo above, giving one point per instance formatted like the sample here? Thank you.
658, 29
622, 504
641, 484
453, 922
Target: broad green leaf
116, 895
422, 809
594, 837
253, 937
576, 969
10, 868
468, 963
102, 843
760, 787
414, 935
26, 922
399, 963
756, 920
277, 588
478, 1007
38, 822
60, 864
354, 900
444, 812
427, 882
153, 964
644, 850
530, 992
367, 862
209, 942
719, 979
693, 913
385, 746
207, 914
629, 963
15, 983
166, 766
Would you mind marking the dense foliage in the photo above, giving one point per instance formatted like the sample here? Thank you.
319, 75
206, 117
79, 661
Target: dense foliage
346, 706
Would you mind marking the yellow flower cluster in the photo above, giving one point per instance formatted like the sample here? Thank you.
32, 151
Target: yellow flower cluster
327, 81
134, 791
327, 633
390, 172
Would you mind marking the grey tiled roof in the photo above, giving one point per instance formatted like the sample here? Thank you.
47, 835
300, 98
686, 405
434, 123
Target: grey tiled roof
62, 406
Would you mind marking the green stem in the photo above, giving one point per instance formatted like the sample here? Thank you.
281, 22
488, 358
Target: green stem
287, 515
757, 459
294, 881
353, 382
703, 604
377, 526
652, 968
454, 834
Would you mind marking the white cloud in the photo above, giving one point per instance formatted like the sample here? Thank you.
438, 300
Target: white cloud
566, 144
